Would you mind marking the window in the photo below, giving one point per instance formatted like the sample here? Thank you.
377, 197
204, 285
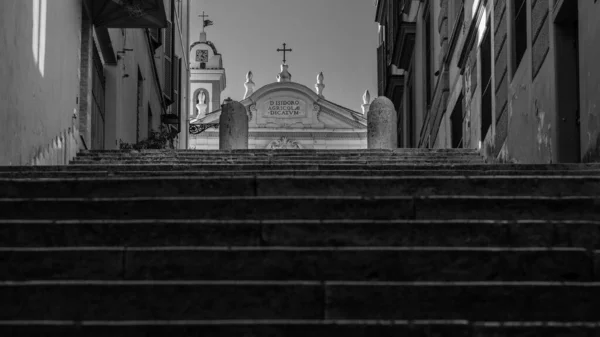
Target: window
410, 105
456, 119
140, 103
486, 82
156, 37
428, 59
149, 120
520, 31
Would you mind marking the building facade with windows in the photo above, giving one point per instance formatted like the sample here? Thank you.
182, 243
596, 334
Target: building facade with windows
514, 78
88, 74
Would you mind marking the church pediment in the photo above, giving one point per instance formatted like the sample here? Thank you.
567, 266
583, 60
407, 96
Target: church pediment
293, 105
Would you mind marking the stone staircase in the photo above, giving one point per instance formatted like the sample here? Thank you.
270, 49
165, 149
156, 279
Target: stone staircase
409, 242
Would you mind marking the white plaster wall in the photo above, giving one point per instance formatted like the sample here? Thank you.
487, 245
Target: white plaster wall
126, 87
39, 69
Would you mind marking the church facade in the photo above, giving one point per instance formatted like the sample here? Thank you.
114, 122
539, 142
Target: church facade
282, 115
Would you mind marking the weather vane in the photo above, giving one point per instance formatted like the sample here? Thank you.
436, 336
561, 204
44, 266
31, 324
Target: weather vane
283, 50
205, 23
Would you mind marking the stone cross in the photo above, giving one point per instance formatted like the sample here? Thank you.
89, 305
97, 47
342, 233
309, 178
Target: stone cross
283, 50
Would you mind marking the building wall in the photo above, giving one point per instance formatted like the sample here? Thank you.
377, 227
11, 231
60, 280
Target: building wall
589, 36
46, 70
529, 121
124, 77
182, 42
39, 62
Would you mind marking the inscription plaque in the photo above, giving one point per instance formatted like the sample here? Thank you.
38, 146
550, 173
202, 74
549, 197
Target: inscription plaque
284, 108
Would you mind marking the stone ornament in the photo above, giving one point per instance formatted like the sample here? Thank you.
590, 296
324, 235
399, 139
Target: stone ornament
201, 106
320, 85
381, 125
367, 97
317, 110
251, 111
249, 85
366, 102
284, 143
233, 126
284, 75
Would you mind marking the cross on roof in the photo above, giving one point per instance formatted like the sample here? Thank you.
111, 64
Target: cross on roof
205, 23
203, 16
283, 50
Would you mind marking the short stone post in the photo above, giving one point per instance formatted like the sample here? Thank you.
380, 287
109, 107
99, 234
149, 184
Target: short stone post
233, 126
382, 124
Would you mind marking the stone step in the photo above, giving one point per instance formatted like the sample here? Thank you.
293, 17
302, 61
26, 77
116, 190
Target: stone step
308, 233
300, 263
242, 153
299, 186
298, 328
388, 156
302, 167
307, 207
276, 162
299, 300
114, 172
284, 151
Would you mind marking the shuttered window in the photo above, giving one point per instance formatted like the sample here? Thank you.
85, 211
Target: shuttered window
168, 87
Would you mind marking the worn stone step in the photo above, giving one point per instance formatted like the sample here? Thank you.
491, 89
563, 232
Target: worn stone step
298, 328
284, 151
274, 154
268, 162
282, 158
299, 186
306, 207
323, 160
312, 233
114, 172
299, 263
209, 300
298, 167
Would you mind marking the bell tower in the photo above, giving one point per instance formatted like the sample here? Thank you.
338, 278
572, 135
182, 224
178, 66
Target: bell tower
207, 75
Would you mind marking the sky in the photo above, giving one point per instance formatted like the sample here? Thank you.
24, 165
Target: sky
337, 37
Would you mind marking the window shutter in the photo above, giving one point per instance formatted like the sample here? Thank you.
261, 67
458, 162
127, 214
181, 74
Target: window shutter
168, 87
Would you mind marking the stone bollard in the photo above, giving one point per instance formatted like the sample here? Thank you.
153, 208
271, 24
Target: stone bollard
233, 126
382, 124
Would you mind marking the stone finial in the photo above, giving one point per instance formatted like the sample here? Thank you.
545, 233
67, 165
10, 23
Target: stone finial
284, 75
233, 126
381, 125
320, 85
249, 85
366, 102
